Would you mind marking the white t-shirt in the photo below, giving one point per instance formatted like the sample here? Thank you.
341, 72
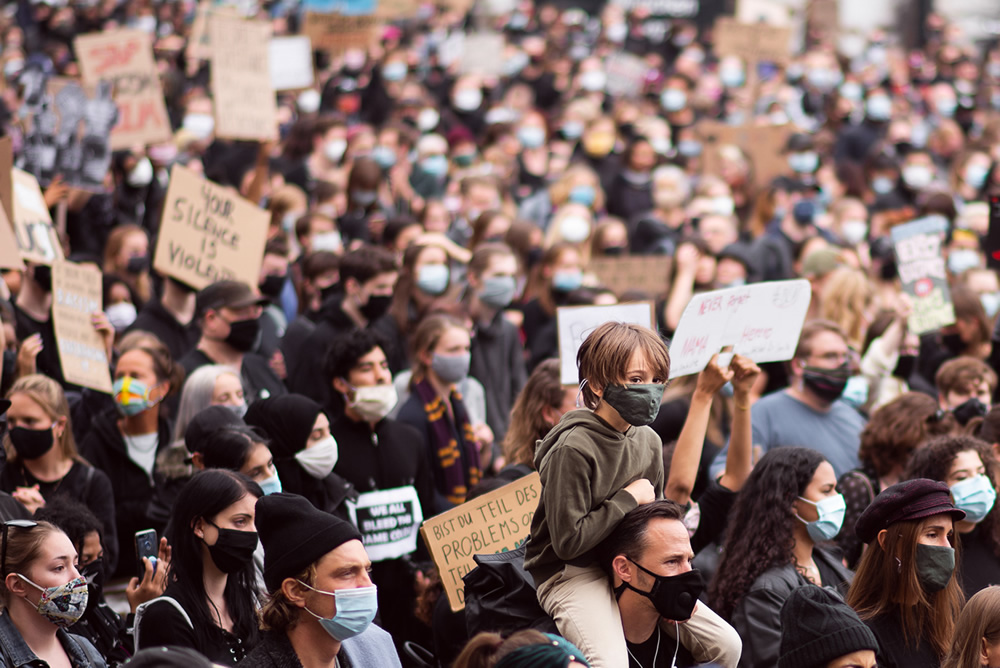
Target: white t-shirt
142, 450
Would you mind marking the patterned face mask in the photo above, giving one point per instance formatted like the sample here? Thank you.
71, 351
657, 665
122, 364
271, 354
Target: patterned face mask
63, 605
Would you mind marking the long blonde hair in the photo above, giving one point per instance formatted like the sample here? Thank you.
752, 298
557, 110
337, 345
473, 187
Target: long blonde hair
846, 296
979, 621
49, 396
141, 284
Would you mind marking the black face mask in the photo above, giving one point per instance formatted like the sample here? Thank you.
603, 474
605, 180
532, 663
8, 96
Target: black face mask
827, 384
272, 286
137, 264
233, 550
94, 574
43, 276
674, 597
31, 443
905, 366
953, 342
967, 410
243, 334
376, 307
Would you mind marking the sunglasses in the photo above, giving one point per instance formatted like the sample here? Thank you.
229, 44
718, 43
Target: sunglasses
20, 524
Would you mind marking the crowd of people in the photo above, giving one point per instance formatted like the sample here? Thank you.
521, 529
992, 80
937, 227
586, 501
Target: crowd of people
425, 224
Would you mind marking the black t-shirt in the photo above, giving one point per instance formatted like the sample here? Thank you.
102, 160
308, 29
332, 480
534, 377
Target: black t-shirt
658, 652
47, 361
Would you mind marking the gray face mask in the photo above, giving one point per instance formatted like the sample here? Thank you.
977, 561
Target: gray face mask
451, 368
636, 404
935, 566
498, 291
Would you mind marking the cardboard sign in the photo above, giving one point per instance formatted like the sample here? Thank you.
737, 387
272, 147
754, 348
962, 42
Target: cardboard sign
679, 9
388, 520
753, 42
336, 33
991, 245
6, 184
626, 74
199, 45
482, 53
922, 271
76, 294
209, 233
493, 523
823, 19
763, 145
124, 59
37, 240
10, 257
291, 63
648, 273
575, 323
761, 321
245, 107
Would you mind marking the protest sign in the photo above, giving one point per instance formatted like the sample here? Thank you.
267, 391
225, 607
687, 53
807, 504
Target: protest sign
10, 258
489, 524
646, 273
753, 42
70, 130
336, 33
124, 59
763, 145
575, 323
482, 53
209, 233
388, 520
626, 74
291, 63
678, 9
6, 184
992, 242
823, 19
922, 272
761, 321
37, 240
245, 107
76, 294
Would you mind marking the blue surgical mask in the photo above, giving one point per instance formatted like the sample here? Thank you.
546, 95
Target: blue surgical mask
394, 71
689, 148
990, 302
432, 279
435, 165
384, 156
975, 175
879, 108
531, 136
805, 162
567, 281
882, 185
572, 129
582, 194
498, 291
356, 609
831, 512
975, 496
673, 99
272, 485
962, 259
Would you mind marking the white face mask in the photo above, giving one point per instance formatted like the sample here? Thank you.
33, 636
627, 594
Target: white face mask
334, 149
327, 241
428, 119
319, 460
121, 315
574, 229
200, 125
141, 174
308, 101
374, 402
854, 231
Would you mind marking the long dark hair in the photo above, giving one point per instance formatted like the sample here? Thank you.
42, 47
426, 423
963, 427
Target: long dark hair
206, 495
761, 524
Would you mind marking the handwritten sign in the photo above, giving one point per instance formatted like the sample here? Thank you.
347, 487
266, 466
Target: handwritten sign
336, 33
626, 74
10, 257
760, 321
209, 233
388, 520
575, 323
245, 107
752, 42
76, 294
124, 58
37, 240
496, 522
648, 273
763, 145
922, 271
680, 9
291, 63
482, 53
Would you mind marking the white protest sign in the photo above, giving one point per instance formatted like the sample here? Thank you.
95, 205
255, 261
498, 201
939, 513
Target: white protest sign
760, 321
575, 324
389, 521
291, 63
626, 74
482, 53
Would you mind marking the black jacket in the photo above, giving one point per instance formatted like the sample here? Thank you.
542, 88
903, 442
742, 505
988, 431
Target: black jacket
893, 652
498, 363
179, 339
259, 381
105, 448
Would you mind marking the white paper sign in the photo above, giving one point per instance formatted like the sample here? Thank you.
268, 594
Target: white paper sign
291, 63
760, 321
389, 521
575, 324
482, 53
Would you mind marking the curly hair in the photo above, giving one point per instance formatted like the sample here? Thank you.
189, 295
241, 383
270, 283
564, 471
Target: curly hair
761, 524
934, 460
899, 427
529, 422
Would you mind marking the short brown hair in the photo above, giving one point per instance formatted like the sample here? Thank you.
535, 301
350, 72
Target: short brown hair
810, 330
604, 356
279, 614
962, 374
899, 427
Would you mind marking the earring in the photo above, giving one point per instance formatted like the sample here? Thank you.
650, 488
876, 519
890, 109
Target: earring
899, 565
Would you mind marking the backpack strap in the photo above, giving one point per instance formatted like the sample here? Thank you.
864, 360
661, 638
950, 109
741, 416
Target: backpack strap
141, 609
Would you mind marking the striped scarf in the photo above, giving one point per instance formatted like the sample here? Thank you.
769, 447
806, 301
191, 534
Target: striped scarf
444, 445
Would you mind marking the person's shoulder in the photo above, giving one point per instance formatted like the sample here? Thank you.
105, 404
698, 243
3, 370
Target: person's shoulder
778, 579
400, 430
411, 412
847, 412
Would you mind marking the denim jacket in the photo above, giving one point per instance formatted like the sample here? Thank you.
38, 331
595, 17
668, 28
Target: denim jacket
16, 652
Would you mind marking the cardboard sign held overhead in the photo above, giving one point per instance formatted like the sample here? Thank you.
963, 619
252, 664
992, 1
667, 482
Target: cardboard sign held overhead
753, 42
761, 321
489, 524
575, 323
245, 107
626, 74
763, 145
209, 233
124, 58
922, 271
37, 240
76, 294
10, 258
336, 33
291, 61
648, 273
679, 9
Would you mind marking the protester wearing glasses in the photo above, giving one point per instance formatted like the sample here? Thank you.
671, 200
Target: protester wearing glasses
42, 594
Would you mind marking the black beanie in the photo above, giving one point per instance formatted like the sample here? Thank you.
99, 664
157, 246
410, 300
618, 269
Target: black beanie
295, 534
817, 627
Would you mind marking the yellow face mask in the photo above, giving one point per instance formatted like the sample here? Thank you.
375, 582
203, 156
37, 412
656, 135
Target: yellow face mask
599, 143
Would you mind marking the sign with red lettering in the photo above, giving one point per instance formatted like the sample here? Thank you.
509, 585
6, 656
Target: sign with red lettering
209, 233
124, 58
489, 524
922, 272
575, 323
761, 321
